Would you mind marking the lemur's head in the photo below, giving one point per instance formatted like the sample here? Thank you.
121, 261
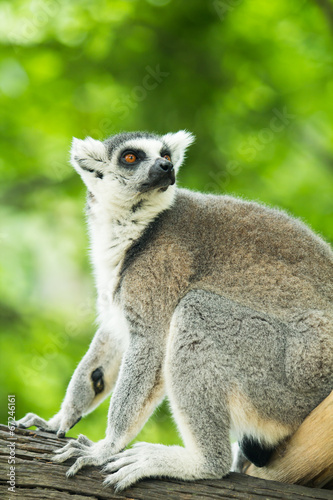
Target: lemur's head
130, 166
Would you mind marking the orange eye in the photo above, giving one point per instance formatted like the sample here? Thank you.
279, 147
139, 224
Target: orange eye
167, 157
130, 158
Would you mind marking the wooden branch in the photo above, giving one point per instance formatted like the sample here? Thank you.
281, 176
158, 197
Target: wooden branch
36, 477
306, 457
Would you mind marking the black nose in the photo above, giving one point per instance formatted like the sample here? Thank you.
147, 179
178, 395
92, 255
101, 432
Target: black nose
161, 174
161, 169
163, 164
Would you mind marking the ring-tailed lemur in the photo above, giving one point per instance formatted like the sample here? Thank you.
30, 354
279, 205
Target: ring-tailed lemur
223, 305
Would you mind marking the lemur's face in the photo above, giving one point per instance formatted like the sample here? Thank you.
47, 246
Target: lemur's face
130, 165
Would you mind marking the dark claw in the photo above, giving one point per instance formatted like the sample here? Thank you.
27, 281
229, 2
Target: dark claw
78, 420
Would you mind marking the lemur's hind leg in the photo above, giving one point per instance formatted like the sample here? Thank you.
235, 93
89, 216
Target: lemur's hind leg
90, 384
195, 390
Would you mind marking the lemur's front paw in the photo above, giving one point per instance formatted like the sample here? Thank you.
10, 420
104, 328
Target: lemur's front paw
88, 453
59, 424
33, 420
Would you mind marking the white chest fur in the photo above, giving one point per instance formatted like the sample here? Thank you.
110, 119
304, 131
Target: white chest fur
112, 232
110, 240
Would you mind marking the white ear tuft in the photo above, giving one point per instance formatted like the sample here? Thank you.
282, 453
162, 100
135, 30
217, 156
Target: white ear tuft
89, 158
87, 150
179, 139
178, 143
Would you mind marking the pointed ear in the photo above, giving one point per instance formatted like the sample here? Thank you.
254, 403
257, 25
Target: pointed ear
178, 143
88, 157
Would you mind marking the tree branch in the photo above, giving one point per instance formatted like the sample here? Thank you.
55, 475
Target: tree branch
36, 477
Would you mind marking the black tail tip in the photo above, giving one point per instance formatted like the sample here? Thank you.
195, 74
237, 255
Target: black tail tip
256, 452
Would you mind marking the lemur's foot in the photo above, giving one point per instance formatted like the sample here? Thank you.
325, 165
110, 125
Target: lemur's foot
59, 424
129, 466
152, 460
88, 453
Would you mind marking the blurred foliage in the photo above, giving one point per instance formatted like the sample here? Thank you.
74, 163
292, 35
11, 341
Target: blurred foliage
252, 80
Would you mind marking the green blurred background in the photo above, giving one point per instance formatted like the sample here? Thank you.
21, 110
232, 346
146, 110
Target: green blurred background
251, 79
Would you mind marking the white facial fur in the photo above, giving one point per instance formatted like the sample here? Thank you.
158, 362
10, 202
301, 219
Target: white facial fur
112, 183
114, 223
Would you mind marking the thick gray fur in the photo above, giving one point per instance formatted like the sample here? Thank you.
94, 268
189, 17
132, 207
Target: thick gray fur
220, 304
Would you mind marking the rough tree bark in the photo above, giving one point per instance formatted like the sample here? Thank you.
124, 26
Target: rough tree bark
36, 477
